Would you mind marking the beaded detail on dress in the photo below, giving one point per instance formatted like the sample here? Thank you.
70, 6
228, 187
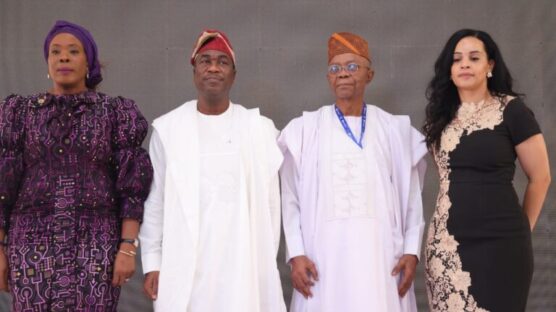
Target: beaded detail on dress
447, 283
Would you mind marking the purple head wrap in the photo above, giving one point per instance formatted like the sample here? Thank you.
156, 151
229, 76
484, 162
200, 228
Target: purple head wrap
89, 46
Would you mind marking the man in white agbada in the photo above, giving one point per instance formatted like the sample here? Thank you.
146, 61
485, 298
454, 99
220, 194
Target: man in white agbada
351, 196
211, 226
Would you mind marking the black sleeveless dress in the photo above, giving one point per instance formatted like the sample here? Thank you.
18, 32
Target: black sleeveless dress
478, 254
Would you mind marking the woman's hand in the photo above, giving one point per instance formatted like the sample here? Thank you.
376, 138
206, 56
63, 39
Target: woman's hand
124, 266
3, 270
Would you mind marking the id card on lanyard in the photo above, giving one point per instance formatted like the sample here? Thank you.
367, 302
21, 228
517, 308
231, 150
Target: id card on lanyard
346, 126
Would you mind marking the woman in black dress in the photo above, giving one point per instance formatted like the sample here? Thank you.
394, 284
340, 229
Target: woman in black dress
478, 253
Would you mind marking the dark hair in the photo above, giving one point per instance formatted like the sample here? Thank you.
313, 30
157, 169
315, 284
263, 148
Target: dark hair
443, 98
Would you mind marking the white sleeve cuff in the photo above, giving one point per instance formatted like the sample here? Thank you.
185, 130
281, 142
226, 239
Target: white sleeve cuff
151, 262
294, 247
412, 245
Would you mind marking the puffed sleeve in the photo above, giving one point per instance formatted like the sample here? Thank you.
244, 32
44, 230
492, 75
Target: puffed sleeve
132, 165
12, 112
520, 121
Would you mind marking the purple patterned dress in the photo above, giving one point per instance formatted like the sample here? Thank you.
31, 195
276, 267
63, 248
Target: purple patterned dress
72, 167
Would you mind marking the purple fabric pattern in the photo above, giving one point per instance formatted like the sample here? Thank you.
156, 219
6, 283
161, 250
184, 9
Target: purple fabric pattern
72, 167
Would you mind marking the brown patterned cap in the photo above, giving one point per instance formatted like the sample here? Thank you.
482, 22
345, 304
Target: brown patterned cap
346, 42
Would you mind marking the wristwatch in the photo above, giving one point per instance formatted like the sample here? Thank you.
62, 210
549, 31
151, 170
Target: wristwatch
133, 241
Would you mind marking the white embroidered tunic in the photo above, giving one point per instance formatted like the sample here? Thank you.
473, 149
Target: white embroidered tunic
352, 211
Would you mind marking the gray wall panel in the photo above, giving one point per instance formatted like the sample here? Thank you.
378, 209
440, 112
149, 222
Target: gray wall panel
281, 51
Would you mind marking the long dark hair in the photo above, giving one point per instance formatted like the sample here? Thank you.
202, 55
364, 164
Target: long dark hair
442, 95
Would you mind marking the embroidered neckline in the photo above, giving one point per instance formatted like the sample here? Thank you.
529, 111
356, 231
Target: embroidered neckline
468, 110
46, 98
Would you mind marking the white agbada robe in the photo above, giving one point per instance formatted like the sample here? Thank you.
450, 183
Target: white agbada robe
212, 220
352, 211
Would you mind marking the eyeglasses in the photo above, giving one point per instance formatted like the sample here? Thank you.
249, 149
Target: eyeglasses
351, 68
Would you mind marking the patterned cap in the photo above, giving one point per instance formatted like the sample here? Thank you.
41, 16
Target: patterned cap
211, 39
345, 42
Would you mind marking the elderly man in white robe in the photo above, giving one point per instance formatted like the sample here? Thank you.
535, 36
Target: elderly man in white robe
351, 196
211, 226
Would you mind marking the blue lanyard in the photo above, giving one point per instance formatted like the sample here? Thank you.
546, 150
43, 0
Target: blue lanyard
346, 126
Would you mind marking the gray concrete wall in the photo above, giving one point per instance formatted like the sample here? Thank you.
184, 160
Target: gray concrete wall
281, 50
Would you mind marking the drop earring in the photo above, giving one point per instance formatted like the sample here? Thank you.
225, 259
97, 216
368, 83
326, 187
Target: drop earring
47, 76
489, 74
87, 76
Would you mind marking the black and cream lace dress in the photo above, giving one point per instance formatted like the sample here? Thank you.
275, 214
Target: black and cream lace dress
478, 253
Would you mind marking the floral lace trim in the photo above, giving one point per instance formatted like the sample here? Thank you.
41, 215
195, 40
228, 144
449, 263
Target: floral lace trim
447, 283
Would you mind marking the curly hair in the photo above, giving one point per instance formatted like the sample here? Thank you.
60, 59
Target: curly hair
442, 94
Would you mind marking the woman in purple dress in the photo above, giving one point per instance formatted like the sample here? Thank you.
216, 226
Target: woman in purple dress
74, 179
